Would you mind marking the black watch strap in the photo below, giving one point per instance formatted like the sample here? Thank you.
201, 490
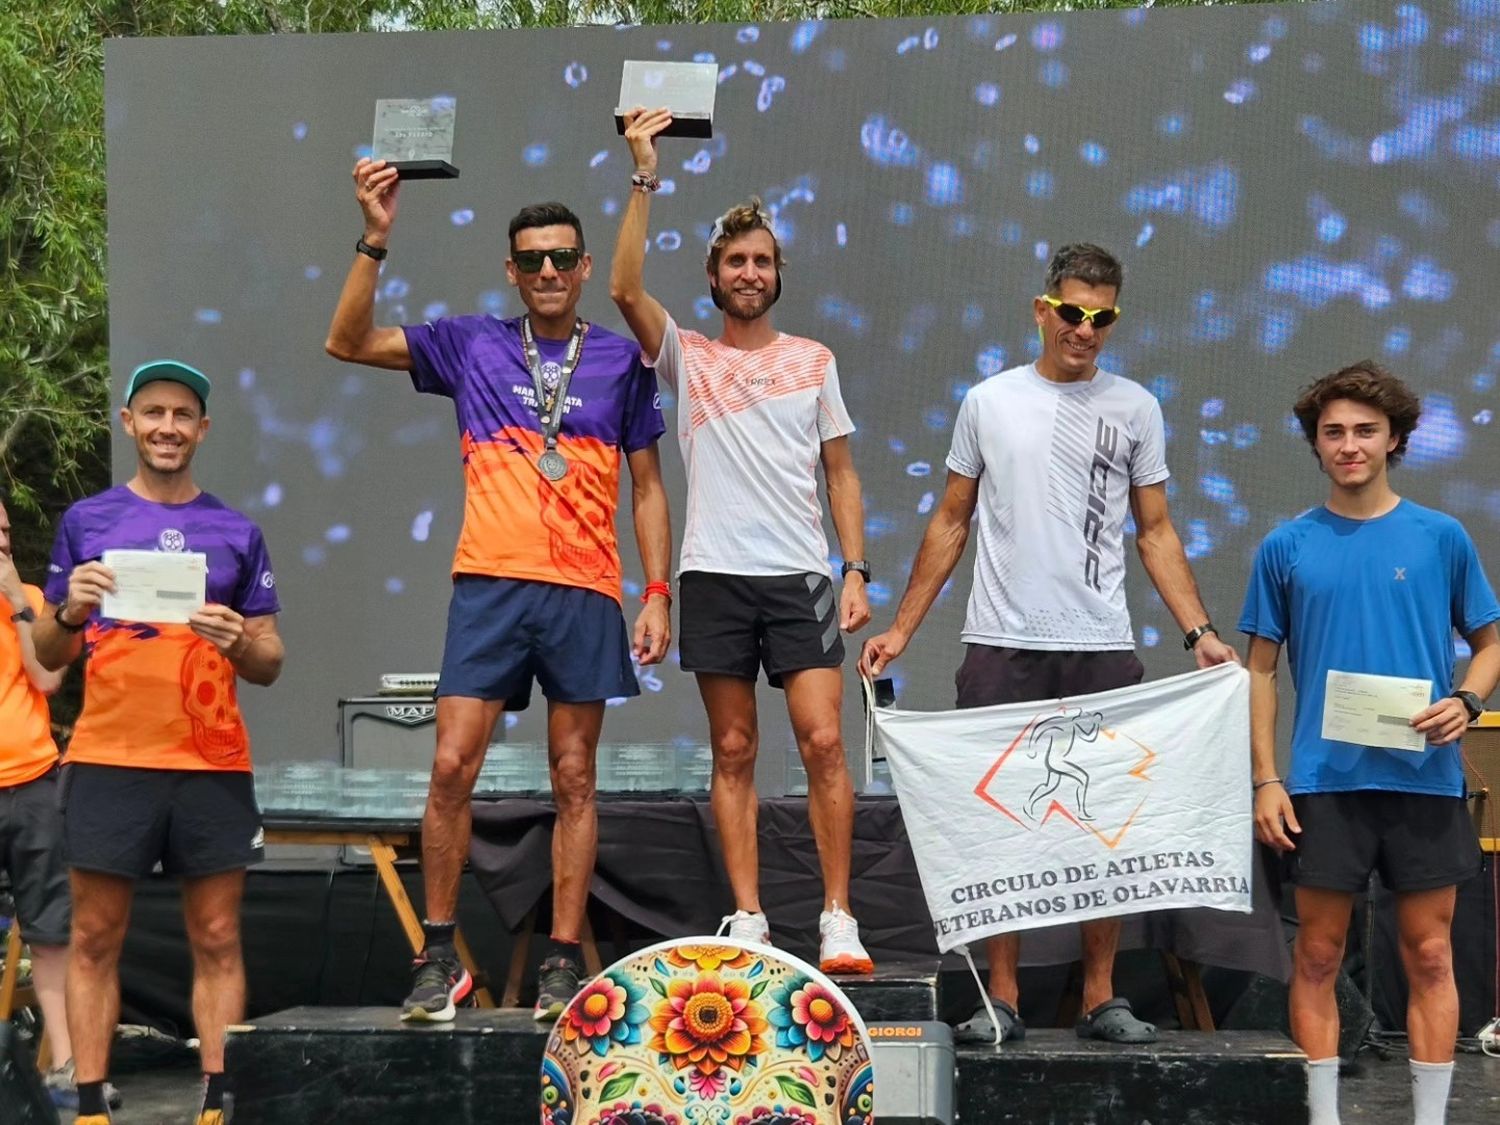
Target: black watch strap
1472, 703
855, 564
65, 625
1193, 636
25, 613
376, 252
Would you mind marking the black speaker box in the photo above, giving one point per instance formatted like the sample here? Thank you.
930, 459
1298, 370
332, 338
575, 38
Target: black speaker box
392, 732
1263, 1007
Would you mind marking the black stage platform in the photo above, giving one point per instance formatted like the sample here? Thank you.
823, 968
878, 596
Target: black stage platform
313, 1065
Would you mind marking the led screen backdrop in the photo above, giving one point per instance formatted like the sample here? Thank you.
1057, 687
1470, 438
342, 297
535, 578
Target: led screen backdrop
1291, 188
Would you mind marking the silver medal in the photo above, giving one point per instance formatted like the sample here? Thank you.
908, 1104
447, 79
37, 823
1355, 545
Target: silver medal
553, 465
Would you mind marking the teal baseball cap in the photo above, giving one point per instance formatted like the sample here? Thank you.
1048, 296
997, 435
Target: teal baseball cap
171, 371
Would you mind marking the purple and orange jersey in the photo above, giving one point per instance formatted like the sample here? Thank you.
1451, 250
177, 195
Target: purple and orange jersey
517, 524
160, 696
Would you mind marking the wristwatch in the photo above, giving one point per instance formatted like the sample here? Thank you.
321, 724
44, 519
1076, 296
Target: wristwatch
855, 564
65, 625
376, 252
1472, 703
1195, 635
25, 613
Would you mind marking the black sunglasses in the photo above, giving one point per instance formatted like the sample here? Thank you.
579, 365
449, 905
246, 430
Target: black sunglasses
564, 258
1077, 314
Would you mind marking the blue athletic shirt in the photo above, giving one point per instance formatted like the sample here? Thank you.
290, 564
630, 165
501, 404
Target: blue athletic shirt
1380, 597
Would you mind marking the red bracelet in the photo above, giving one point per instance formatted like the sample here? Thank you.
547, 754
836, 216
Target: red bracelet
661, 588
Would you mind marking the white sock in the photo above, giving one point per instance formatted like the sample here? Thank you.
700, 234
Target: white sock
1323, 1091
1429, 1092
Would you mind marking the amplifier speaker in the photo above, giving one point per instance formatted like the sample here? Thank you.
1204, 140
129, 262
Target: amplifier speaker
1262, 1007
392, 732
1481, 750
914, 1072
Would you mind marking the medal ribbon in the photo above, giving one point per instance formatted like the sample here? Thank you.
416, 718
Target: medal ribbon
550, 410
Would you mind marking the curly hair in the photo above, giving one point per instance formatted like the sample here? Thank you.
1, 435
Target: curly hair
738, 220
1363, 382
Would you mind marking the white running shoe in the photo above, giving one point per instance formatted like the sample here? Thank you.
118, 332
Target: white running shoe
745, 926
840, 950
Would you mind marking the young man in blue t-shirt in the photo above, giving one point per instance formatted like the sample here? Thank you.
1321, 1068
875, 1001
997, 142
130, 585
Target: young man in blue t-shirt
1369, 585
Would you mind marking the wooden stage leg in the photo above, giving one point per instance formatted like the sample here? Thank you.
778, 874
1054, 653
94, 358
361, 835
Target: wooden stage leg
385, 863
1186, 981
520, 954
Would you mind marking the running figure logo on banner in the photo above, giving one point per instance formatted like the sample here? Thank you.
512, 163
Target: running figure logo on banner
1030, 815
1054, 748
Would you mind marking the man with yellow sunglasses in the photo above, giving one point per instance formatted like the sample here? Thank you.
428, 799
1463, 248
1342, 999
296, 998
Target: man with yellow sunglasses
1052, 456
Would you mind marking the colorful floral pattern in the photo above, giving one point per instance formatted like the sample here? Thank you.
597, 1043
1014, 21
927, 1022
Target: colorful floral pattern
557, 1095
812, 1016
608, 1010
711, 1025
708, 957
708, 1030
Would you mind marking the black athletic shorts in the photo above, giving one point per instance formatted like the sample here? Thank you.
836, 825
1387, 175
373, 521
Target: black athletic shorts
31, 851
1418, 842
733, 625
118, 820
991, 675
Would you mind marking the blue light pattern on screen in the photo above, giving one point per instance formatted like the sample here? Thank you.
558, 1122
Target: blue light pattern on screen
1290, 189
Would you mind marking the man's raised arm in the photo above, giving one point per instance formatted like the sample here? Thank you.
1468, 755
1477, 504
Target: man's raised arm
627, 286
353, 336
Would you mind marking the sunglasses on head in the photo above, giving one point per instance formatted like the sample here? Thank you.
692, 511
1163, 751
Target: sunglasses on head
564, 258
1077, 314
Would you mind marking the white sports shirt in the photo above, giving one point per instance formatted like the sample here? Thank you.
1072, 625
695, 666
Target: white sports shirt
1055, 464
751, 425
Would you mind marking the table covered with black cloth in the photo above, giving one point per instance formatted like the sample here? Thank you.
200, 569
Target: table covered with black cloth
659, 866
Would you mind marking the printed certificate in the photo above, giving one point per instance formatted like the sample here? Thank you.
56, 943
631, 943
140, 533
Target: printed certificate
1374, 710
161, 587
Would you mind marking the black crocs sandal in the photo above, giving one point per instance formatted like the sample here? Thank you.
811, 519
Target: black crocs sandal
1114, 1022
978, 1028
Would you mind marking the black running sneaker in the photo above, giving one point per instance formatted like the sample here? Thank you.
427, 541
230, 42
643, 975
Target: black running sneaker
439, 983
558, 981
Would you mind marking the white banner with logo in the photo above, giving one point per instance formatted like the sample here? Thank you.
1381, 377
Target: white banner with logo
1035, 814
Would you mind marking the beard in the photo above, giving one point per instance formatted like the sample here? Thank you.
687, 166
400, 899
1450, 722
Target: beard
746, 309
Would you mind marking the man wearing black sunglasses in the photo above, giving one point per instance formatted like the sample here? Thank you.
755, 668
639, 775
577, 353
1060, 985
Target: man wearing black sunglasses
1053, 456
758, 411
548, 406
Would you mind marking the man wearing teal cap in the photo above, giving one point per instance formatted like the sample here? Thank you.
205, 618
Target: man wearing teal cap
158, 769
169, 371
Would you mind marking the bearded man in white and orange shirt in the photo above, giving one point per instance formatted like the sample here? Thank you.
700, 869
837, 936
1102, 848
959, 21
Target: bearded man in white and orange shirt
757, 410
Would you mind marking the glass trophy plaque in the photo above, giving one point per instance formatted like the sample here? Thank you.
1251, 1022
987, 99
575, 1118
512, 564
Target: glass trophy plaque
415, 135
687, 89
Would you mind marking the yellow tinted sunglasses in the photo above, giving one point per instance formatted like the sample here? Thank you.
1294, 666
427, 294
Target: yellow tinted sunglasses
1077, 314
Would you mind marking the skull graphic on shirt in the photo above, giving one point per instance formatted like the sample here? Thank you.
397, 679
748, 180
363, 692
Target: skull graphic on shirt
578, 522
208, 697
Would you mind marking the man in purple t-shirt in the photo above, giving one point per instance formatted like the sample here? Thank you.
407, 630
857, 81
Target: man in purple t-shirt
548, 406
158, 769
